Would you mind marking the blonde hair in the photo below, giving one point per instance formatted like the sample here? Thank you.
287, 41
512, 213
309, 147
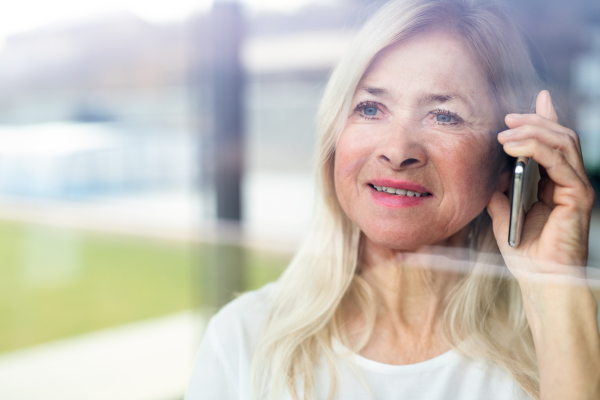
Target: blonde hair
484, 316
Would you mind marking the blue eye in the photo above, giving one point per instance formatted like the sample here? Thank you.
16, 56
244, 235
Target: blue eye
370, 111
443, 118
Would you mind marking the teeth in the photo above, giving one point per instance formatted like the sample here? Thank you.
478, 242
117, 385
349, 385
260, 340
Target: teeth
401, 192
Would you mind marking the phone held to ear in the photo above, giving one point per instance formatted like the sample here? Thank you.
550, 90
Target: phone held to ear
519, 195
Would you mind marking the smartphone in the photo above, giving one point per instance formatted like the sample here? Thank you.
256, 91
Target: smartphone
519, 195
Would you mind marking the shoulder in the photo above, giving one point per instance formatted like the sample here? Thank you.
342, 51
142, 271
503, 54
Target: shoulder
242, 321
222, 366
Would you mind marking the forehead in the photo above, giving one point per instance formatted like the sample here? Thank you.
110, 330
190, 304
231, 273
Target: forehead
430, 62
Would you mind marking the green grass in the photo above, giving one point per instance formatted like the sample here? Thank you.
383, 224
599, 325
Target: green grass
56, 283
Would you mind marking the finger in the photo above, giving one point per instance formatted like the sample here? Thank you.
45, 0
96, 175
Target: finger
552, 138
554, 162
499, 210
545, 192
544, 107
545, 116
514, 121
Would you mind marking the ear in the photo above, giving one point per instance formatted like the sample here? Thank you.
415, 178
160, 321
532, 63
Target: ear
503, 181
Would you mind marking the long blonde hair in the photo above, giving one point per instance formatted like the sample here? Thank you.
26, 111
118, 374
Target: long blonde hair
484, 316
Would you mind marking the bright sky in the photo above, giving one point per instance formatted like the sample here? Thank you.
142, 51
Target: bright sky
22, 15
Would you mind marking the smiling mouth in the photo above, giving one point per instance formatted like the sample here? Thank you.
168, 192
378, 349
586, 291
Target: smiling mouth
399, 192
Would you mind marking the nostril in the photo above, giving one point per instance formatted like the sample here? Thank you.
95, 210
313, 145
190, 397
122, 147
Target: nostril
408, 162
395, 163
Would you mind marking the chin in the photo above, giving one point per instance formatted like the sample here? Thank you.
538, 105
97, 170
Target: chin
405, 240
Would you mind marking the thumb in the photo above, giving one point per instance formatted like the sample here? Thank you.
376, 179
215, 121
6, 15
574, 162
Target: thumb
544, 107
499, 210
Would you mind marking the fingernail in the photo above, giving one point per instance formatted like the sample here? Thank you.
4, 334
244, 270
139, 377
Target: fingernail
507, 132
515, 115
512, 144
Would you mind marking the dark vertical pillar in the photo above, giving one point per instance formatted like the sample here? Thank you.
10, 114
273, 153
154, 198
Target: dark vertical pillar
227, 91
227, 95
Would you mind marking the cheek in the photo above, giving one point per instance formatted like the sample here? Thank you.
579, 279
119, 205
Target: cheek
467, 168
351, 154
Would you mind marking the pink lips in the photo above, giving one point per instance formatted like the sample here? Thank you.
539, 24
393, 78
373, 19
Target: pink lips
397, 201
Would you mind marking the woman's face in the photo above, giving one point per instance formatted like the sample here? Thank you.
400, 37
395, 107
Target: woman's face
421, 124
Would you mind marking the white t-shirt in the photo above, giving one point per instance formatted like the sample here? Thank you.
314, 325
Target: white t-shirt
222, 368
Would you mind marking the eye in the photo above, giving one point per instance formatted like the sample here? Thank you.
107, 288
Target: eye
368, 110
445, 117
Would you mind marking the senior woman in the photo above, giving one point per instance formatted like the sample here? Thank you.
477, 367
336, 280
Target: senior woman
417, 128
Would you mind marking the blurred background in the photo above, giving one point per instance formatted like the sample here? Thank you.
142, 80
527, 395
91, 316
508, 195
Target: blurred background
155, 159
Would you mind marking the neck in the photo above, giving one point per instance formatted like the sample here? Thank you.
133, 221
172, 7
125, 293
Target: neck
410, 286
410, 289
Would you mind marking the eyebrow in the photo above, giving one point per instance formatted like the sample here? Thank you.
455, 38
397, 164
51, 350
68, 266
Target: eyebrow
379, 92
442, 98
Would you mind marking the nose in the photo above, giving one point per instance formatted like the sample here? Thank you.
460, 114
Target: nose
402, 147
